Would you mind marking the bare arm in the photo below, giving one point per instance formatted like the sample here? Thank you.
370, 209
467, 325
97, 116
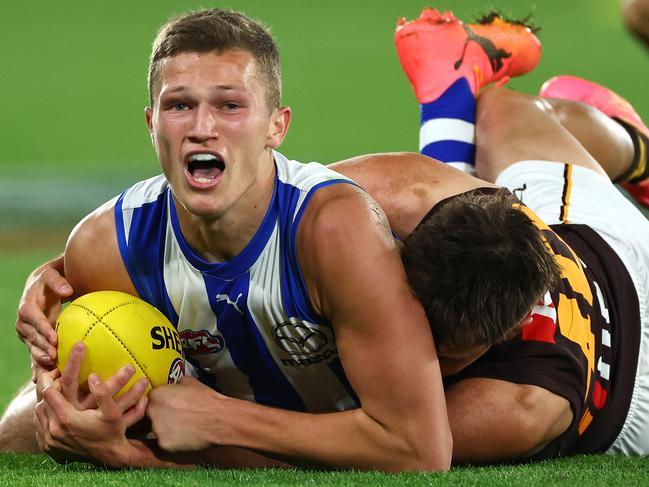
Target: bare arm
92, 258
493, 420
355, 278
91, 262
406, 185
72, 424
39, 306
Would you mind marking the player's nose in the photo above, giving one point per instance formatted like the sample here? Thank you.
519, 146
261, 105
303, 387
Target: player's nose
204, 124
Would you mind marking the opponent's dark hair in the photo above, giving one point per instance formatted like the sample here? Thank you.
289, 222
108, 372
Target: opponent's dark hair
218, 30
478, 265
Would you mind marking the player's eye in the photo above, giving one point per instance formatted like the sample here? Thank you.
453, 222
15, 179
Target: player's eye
180, 107
230, 106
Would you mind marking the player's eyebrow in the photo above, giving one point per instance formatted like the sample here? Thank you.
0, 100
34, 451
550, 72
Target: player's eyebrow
176, 89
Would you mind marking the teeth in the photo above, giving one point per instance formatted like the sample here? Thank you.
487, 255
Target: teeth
202, 157
204, 180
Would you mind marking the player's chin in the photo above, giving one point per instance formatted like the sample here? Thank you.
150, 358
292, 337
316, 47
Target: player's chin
205, 206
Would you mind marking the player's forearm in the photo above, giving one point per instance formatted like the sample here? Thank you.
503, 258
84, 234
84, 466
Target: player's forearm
348, 439
147, 455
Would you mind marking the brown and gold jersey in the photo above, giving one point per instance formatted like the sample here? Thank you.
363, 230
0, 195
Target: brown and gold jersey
582, 343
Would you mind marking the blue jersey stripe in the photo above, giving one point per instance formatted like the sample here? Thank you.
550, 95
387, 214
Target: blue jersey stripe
143, 254
293, 285
247, 347
129, 262
450, 151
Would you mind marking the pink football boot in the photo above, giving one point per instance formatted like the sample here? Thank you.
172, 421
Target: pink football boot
437, 49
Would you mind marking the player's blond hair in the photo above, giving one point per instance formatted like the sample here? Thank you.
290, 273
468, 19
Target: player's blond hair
218, 30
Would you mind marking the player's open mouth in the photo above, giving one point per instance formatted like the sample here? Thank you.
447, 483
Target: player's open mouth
203, 169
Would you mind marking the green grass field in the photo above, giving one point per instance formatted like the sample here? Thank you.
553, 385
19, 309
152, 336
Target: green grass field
73, 135
596, 470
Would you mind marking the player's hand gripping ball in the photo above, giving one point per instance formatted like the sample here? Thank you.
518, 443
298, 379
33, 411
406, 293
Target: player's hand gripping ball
120, 329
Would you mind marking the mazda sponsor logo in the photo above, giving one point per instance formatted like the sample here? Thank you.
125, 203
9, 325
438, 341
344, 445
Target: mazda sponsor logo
306, 342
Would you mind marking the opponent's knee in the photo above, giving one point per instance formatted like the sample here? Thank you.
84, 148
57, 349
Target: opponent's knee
636, 15
17, 431
501, 107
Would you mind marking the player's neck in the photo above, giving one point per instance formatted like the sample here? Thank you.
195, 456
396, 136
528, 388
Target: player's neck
222, 238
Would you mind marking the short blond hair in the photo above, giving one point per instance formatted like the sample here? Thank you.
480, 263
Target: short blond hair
218, 30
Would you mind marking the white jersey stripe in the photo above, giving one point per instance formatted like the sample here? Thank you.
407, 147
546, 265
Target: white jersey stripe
325, 394
440, 129
187, 293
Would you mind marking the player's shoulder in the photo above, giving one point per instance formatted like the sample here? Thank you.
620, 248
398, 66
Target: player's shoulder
342, 208
99, 228
306, 177
96, 226
378, 172
143, 192
92, 257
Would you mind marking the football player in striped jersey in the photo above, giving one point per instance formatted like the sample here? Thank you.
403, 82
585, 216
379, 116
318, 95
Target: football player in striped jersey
537, 294
240, 247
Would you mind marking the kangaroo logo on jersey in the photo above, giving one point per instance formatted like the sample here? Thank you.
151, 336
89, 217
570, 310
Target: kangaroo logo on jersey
226, 298
201, 342
301, 338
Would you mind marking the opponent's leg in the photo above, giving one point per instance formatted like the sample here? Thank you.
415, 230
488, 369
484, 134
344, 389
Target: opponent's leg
447, 63
636, 17
635, 178
17, 431
513, 127
604, 139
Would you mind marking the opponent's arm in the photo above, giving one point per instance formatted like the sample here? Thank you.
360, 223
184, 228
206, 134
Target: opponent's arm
355, 278
39, 306
493, 420
406, 185
70, 422
91, 262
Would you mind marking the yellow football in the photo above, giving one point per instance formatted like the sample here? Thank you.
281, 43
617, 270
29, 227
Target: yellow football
120, 329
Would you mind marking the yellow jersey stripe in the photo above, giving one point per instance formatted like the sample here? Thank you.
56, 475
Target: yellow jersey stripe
567, 190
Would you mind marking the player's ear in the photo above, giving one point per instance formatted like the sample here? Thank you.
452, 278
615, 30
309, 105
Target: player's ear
280, 119
149, 122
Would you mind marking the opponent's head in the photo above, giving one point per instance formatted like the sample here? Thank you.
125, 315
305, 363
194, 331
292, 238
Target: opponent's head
218, 30
478, 265
214, 82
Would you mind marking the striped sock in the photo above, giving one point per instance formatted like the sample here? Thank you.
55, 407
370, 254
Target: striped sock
638, 171
447, 130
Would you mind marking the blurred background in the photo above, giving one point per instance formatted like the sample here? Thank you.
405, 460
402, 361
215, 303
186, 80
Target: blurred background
73, 85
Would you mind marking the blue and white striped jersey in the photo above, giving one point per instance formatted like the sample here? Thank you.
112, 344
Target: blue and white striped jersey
246, 324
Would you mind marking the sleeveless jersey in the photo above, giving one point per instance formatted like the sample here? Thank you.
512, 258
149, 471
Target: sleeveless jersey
247, 326
582, 343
